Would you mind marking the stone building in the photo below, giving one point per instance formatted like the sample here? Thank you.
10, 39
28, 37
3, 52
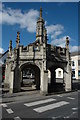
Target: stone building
75, 65
41, 57
75, 60
2, 67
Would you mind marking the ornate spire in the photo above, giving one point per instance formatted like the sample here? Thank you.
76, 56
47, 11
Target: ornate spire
45, 32
18, 39
40, 29
67, 42
10, 45
45, 36
40, 12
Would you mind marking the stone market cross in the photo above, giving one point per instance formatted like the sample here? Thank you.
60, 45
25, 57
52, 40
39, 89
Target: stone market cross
40, 57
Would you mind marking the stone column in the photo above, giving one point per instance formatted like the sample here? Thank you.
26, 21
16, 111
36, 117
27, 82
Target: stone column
44, 82
21, 78
11, 81
67, 79
9, 78
17, 80
67, 69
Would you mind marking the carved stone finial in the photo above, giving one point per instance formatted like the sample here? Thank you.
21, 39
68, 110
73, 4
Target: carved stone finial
67, 42
18, 39
40, 12
10, 45
45, 32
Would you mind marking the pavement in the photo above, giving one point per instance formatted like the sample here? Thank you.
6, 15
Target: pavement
8, 97
31, 104
19, 96
37, 106
12, 97
27, 94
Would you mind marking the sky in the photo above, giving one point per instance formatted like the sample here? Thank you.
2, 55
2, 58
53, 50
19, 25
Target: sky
39, 0
61, 20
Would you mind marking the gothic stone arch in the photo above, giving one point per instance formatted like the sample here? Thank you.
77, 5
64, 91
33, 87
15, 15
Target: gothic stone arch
36, 70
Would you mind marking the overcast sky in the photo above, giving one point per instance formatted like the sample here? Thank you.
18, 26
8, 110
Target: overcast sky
61, 20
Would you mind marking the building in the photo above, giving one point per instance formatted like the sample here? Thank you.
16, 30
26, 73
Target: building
3, 57
2, 66
75, 65
75, 60
41, 58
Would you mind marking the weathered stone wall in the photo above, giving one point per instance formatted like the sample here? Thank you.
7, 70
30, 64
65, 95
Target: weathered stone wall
9, 77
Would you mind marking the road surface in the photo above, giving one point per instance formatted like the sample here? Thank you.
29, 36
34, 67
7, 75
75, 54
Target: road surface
50, 107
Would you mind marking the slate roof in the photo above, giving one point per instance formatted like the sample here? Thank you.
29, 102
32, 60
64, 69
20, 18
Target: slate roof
75, 53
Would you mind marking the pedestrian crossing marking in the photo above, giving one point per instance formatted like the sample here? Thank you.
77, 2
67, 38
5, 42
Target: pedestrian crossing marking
39, 102
71, 98
17, 118
4, 105
56, 117
75, 108
67, 117
50, 106
9, 111
59, 95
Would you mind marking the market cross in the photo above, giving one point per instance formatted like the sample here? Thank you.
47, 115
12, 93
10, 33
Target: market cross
42, 58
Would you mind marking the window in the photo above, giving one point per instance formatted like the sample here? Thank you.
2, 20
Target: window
78, 62
59, 73
73, 74
78, 72
73, 64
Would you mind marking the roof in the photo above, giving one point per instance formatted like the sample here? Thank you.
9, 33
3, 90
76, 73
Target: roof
4, 53
54, 55
75, 53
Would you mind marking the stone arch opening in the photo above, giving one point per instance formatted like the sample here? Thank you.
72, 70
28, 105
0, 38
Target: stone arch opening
56, 83
30, 76
59, 74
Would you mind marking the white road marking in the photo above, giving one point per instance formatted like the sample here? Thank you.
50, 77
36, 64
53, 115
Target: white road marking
74, 108
72, 114
39, 102
4, 105
17, 118
71, 98
51, 106
9, 111
59, 95
66, 117
56, 117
